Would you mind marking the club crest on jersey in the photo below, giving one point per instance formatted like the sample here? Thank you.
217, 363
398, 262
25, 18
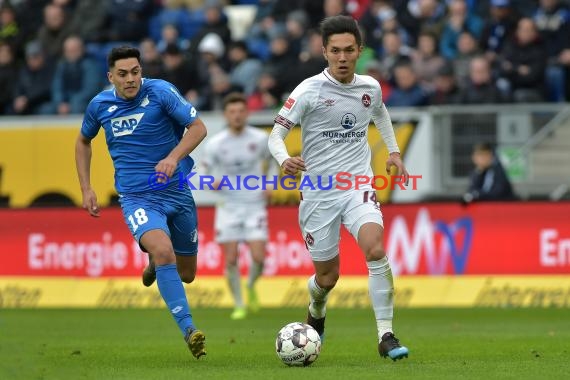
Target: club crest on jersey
289, 103
145, 102
125, 125
366, 100
309, 240
348, 121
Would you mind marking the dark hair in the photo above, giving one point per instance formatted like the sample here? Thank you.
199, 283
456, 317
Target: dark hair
234, 97
338, 25
238, 45
484, 146
122, 52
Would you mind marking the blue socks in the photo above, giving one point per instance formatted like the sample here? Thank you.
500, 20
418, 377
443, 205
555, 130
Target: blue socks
172, 291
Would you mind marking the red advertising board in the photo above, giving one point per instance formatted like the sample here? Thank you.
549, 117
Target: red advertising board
434, 239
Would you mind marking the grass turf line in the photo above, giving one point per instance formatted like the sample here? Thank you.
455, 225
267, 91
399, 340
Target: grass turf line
146, 344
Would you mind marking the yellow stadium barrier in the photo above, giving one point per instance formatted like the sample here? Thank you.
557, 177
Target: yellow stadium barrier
351, 292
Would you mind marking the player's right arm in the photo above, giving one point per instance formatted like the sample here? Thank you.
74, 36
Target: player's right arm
289, 116
83, 153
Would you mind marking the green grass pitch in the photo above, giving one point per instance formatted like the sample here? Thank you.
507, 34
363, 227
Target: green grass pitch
145, 344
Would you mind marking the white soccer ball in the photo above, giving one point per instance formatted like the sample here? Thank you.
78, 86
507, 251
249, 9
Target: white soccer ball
298, 344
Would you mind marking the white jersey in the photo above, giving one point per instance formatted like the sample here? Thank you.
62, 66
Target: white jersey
235, 156
334, 119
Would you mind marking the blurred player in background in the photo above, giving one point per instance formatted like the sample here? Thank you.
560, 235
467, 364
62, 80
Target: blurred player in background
144, 122
241, 215
334, 109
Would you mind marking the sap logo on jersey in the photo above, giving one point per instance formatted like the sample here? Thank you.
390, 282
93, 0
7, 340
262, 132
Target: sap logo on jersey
125, 125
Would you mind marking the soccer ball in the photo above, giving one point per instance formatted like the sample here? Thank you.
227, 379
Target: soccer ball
298, 344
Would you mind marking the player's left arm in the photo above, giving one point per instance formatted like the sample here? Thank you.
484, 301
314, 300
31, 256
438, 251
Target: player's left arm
383, 122
271, 167
196, 132
184, 114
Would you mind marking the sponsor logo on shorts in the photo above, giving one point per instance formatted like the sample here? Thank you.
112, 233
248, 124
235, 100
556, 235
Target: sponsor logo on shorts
309, 239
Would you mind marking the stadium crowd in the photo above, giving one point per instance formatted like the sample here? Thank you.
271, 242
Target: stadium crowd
423, 52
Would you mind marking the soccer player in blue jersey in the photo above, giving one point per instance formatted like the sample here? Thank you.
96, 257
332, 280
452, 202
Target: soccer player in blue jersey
144, 122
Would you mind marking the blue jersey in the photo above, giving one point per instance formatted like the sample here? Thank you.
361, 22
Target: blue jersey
140, 132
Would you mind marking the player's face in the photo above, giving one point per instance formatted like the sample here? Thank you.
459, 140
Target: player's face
236, 115
126, 76
341, 52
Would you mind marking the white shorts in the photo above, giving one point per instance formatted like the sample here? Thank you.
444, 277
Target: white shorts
243, 222
320, 221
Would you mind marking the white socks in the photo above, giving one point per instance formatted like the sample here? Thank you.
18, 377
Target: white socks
381, 290
232, 272
318, 295
254, 272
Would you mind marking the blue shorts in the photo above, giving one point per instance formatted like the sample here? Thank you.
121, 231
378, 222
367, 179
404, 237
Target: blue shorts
172, 211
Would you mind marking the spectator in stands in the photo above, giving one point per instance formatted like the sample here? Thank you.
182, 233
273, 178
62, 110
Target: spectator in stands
33, 88
419, 15
296, 27
312, 59
489, 181
74, 82
481, 88
244, 69
151, 61
10, 32
313, 8
280, 62
178, 71
88, 21
185, 16
552, 19
523, 63
169, 35
264, 22
267, 94
372, 22
408, 92
468, 48
500, 27
426, 60
29, 15
375, 70
458, 20
367, 54
564, 60
8, 71
54, 31
128, 20
334, 8
446, 90
393, 52
216, 22
357, 8
212, 68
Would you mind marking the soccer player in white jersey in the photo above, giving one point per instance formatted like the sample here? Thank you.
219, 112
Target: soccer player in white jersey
241, 215
334, 110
